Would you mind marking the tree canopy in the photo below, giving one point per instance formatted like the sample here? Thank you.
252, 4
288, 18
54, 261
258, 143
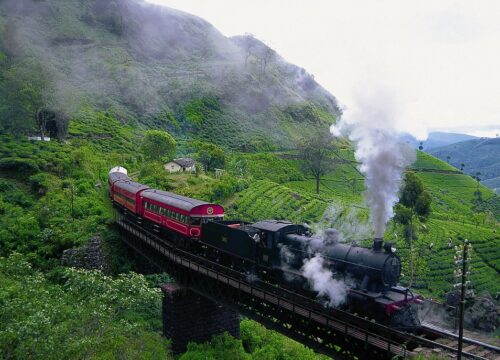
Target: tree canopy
211, 156
158, 144
319, 153
414, 197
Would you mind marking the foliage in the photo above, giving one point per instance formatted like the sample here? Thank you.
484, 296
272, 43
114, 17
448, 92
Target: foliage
195, 111
154, 175
268, 200
91, 314
262, 166
157, 145
211, 156
267, 344
256, 343
414, 203
223, 347
413, 195
318, 153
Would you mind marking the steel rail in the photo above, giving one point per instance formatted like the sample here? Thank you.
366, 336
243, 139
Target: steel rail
443, 332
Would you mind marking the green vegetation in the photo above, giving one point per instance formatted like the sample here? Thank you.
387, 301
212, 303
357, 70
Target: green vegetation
53, 197
413, 209
157, 145
211, 156
256, 343
473, 156
177, 74
268, 200
90, 314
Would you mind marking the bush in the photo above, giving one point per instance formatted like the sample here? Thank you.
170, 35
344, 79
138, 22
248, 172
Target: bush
227, 186
39, 183
23, 166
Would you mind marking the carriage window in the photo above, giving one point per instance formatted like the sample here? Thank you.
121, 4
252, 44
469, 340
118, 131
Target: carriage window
195, 221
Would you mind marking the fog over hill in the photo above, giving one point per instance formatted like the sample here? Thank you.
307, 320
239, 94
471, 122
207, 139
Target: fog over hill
146, 63
436, 139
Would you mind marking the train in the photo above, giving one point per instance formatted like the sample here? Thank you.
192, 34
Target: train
274, 251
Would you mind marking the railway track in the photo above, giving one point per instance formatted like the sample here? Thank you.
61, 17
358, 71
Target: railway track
447, 342
431, 339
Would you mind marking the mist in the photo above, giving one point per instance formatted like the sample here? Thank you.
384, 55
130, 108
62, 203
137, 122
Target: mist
351, 223
371, 125
321, 280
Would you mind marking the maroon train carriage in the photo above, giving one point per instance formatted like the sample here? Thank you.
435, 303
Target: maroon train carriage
178, 213
128, 195
113, 177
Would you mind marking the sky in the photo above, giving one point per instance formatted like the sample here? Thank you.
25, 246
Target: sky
436, 62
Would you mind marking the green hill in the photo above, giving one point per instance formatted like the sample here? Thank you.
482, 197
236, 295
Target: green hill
151, 66
477, 155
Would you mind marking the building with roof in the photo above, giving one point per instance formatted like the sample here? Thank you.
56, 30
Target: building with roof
180, 165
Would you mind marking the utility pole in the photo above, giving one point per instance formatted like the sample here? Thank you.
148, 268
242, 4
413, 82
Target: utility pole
462, 258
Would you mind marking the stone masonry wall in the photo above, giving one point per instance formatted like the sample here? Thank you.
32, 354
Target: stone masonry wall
190, 317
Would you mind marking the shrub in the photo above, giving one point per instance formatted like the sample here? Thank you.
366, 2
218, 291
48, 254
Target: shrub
23, 166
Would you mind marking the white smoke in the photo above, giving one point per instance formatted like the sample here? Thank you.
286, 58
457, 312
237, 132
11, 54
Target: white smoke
351, 223
321, 280
287, 258
371, 125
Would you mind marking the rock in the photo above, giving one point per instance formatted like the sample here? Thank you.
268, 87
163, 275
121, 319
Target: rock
483, 315
90, 256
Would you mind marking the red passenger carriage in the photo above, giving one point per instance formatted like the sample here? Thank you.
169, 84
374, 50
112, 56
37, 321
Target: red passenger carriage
178, 213
164, 209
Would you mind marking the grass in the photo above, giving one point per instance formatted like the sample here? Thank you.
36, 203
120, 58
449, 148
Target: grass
429, 162
268, 200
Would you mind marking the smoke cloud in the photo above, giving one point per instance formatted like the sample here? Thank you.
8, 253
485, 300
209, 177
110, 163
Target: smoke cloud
371, 125
351, 222
321, 280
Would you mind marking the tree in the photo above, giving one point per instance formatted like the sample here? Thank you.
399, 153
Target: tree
421, 146
211, 156
319, 153
157, 144
248, 45
478, 179
462, 166
448, 158
414, 206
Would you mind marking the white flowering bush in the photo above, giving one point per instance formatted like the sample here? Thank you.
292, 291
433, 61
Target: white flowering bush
86, 315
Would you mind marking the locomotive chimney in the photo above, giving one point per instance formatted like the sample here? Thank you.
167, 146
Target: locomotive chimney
377, 244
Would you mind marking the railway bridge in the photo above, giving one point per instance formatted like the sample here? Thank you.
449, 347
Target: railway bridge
329, 331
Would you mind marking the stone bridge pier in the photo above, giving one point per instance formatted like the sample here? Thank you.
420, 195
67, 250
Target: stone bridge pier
188, 316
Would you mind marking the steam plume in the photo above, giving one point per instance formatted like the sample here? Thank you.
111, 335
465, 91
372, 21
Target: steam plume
372, 127
321, 280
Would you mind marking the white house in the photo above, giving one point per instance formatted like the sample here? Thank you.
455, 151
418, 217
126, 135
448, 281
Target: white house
180, 165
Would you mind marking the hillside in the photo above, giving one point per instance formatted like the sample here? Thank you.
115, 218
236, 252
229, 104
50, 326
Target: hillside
150, 66
478, 156
436, 139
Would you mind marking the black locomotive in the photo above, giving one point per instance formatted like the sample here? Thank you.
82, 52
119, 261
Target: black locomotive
276, 251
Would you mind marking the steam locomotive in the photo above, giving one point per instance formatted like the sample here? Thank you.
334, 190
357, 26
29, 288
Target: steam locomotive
273, 250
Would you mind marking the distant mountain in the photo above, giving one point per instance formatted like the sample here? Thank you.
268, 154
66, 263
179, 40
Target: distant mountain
436, 139
478, 155
152, 66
